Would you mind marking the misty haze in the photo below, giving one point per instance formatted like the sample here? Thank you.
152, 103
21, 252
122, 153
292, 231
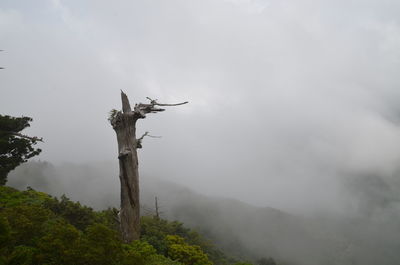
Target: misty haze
287, 152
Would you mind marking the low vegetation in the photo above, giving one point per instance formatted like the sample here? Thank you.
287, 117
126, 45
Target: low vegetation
36, 228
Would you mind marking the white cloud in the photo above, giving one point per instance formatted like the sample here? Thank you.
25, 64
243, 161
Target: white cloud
280, 91
10, 20
251, 6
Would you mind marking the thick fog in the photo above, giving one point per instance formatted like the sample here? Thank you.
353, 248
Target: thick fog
293, 104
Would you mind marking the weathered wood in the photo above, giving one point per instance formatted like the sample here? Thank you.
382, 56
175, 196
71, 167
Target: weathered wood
156, 205
126, 107
125, 128
124, 124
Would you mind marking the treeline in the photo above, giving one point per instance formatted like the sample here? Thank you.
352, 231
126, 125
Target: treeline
36, 228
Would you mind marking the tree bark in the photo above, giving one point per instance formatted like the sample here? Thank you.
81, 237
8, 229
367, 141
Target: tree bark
125, 127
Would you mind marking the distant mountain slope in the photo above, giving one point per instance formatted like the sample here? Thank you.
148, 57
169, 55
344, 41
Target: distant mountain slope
240, 229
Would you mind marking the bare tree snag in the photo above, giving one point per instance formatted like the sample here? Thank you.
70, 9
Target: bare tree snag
124, 124
157, 212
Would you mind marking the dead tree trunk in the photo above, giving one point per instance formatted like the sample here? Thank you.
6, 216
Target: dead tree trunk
124, 124
157, 212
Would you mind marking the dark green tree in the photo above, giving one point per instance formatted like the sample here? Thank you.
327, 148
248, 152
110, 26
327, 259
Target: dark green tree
15, 147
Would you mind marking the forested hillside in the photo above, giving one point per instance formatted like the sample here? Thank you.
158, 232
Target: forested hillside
36, 228
240, 230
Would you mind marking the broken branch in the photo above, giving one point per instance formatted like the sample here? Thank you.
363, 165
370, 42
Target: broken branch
142, 109
155, 103
139, 140
148, 135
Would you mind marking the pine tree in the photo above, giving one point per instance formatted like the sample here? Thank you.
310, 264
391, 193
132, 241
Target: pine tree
15, 148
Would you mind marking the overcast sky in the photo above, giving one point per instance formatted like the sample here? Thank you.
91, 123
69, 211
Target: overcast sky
287, 97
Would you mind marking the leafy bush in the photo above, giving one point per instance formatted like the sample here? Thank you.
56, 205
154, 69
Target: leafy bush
101, 246
179, 250
60, 244
140, 252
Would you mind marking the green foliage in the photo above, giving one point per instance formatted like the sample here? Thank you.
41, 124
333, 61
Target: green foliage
59, 244
38, 229
5, 232
79, 216
101, 246
109, 218
14, 149
5, 238
141, 252
23, 255
138, 252
27, 222
155, 231
10, 197
187, 254
161, 260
